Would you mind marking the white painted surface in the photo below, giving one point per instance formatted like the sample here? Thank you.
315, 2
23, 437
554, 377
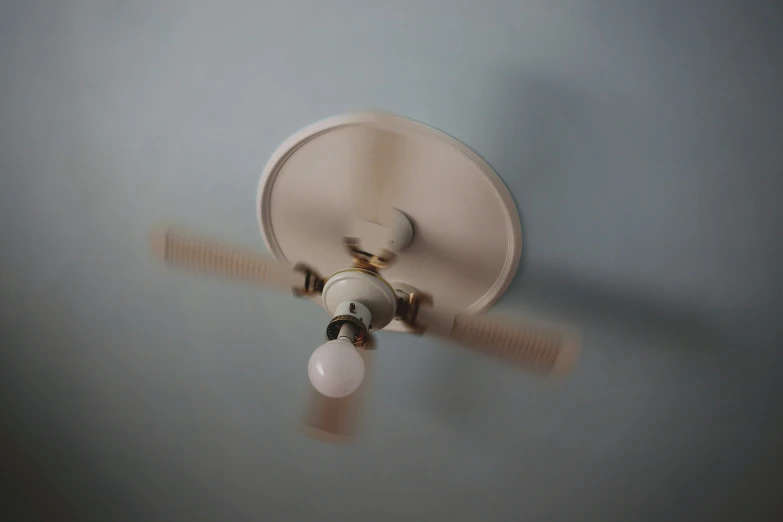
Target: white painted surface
467, 239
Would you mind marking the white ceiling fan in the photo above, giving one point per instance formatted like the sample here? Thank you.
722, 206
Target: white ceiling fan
343, 195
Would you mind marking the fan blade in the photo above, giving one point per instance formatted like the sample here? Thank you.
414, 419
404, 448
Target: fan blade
179, 249
336, 420
380, 161
329, 419
376, 168
544, 349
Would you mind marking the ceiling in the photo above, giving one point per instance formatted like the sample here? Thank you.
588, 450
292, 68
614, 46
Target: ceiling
640, 140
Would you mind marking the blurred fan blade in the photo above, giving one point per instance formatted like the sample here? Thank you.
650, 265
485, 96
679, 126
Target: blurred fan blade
541, 348
329, 419
179, 249
381, 156
337, 420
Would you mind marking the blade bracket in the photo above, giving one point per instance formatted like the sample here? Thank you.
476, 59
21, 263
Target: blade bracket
366, 260
409, 301
313, 282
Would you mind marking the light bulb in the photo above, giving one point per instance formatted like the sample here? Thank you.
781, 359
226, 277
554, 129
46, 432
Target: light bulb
336, 369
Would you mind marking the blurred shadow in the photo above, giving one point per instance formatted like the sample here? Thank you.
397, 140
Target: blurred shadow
529, 121
525, 117
529, 117
536, 117
450, 389
30, 490
625, 308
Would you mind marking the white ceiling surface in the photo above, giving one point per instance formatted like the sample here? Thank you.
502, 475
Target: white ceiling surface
641, 141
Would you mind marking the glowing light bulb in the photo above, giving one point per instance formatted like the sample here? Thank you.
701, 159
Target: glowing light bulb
336, 369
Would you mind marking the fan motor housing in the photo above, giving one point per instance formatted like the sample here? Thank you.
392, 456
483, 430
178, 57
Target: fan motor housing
365, 287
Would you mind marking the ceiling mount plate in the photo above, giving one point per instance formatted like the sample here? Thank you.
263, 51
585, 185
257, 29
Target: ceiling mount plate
467, 237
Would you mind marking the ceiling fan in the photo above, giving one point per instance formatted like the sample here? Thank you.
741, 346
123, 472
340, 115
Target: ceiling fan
416, 233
